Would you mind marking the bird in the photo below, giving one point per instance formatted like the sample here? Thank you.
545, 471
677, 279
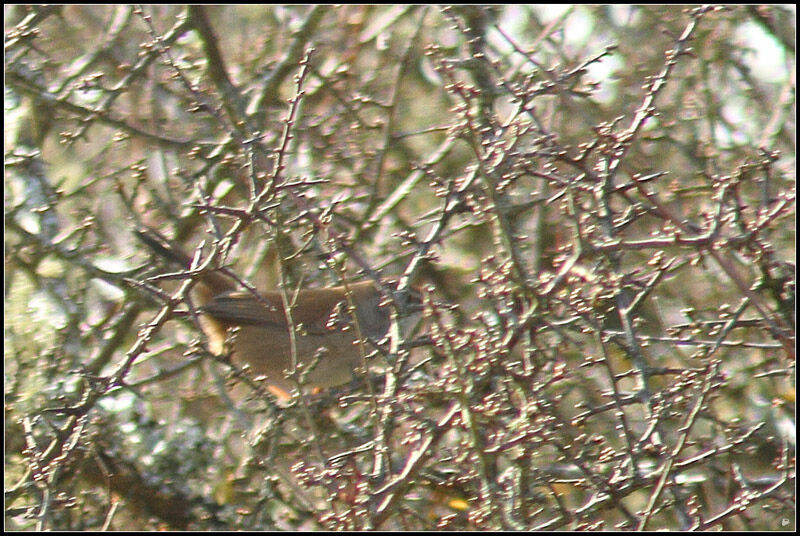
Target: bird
326, 338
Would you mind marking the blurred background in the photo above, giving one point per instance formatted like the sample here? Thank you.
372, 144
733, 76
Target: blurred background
597, 204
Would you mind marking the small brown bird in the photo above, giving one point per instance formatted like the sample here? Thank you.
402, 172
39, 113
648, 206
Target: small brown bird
325, 335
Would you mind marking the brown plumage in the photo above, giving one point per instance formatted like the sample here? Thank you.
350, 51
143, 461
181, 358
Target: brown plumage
324, 332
